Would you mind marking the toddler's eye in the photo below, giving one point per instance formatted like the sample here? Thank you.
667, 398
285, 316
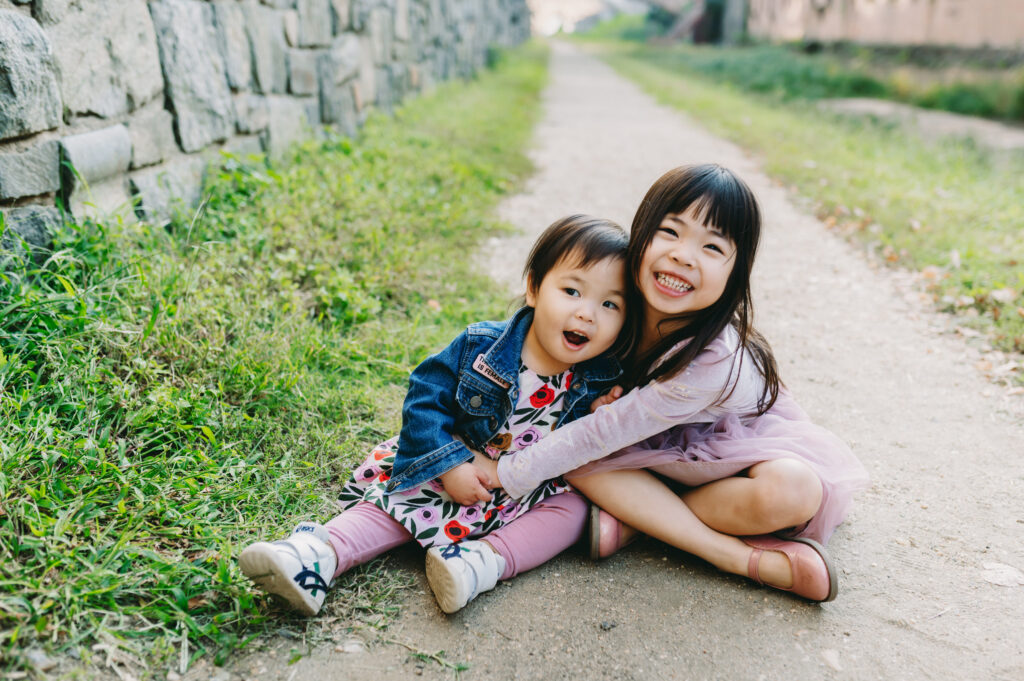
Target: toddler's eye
571, 291
715, 247
668, 230
610, 305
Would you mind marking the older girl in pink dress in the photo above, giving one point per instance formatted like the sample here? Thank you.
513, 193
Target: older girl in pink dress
763, 487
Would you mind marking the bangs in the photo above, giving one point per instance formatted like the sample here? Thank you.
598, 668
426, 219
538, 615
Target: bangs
593, 246
718, 199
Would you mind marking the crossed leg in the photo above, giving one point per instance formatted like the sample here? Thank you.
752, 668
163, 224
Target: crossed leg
705, 521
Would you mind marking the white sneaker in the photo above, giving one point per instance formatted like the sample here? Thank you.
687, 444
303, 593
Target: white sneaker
458, 573
299, 568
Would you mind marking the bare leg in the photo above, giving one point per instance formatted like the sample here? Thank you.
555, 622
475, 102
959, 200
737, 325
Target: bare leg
639, 499
773, 496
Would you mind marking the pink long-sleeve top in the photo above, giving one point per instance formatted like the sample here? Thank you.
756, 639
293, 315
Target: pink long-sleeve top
721, 380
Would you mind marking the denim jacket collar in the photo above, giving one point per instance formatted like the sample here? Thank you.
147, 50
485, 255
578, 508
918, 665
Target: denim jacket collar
504, 357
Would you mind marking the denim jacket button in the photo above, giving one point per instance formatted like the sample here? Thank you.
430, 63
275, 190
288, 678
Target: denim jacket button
577, 385
475, 401
392, 484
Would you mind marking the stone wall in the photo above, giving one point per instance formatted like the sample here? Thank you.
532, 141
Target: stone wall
955, 23
118, 106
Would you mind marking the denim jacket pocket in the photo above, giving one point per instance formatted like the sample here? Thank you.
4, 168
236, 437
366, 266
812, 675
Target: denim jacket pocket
479, 398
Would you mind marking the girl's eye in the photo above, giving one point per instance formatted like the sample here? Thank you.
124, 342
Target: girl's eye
571, 291
668, 230
610, 305
715, 247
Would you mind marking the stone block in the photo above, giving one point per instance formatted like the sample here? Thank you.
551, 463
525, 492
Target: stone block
338, 107
314, 22
302, 71
30, 100
367, 72
103, 200
287, 124
171, 190
233, 40
266, 37
379, 28
279, 4
245, 146
342, 61
31, 172
341, 16
152, 134
92, 173
252, 113
194, 71
291, 27
401, 28
96, 155
35, 224
106, 53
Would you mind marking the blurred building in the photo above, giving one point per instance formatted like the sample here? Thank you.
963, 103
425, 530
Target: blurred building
957, 23
551, 16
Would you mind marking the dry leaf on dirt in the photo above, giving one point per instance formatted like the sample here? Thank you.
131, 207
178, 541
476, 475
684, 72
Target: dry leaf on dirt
1002, 574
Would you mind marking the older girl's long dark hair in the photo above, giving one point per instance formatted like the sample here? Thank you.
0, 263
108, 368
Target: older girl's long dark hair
722, 199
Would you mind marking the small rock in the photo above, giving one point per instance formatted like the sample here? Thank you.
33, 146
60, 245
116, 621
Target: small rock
608, 626
40, 660
352, 646
173, 676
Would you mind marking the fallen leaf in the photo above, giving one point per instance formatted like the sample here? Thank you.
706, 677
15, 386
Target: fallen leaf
434, 305
831, 658
1004, 295
1002, 574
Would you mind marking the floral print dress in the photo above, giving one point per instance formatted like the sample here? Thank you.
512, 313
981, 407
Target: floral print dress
427, 511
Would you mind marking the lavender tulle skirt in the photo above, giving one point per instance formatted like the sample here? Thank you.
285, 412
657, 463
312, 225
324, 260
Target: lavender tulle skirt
698, 453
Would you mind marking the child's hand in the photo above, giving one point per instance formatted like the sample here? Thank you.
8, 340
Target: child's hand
609, 397
466, 484
488, 466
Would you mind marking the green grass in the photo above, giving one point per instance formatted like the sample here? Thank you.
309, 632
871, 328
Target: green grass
950, 210
786, 73
167, 396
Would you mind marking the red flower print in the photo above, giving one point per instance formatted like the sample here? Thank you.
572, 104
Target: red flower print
568, 380
490, 513
384, 476
455, 530
543, 396
379, 454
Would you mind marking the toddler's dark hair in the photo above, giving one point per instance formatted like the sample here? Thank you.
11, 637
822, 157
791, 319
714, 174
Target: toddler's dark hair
583, 238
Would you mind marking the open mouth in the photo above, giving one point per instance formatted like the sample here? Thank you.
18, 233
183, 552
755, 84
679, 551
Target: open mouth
673, 283
574, 339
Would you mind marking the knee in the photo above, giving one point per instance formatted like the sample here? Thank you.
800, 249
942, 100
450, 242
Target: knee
789, 492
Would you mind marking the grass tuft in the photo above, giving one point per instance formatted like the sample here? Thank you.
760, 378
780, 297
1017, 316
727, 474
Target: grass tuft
168, 395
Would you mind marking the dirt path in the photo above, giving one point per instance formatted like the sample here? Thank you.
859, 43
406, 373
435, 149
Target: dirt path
945, 452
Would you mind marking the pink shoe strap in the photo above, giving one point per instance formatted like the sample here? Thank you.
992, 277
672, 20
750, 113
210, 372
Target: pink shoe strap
752, 565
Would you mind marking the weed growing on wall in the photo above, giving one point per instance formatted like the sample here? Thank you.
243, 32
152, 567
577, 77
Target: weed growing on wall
168, 395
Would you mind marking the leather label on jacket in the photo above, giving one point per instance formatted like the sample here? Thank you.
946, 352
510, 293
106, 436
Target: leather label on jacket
480, 366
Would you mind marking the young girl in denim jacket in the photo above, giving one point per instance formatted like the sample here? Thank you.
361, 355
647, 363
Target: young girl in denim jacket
498, 387
711, 413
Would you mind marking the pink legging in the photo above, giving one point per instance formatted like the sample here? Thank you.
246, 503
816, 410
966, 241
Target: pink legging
364, 532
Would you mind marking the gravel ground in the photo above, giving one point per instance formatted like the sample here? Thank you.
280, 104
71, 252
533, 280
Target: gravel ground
931, 557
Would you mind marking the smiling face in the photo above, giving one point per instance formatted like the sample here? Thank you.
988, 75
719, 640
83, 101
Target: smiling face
578, 313
684, 269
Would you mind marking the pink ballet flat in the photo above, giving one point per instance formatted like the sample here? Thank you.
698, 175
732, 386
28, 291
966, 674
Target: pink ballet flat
605, 532
814, 577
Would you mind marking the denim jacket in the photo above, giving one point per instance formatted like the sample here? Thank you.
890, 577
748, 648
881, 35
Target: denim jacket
459, 398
